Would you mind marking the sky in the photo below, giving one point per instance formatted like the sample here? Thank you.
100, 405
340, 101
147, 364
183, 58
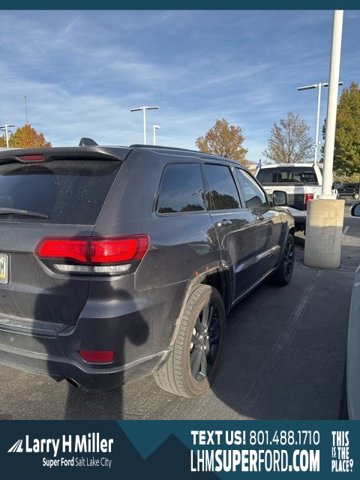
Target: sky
74, 74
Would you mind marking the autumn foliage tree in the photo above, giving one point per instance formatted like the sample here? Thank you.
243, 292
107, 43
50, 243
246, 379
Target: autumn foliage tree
225, 140
26, 137
289, 141
347, 137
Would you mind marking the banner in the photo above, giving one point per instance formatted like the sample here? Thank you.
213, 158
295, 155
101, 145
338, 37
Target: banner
181, 449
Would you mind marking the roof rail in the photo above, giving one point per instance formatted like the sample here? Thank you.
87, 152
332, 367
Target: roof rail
162, 147
87, 142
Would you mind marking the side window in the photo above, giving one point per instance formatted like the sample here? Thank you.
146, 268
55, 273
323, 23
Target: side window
253, 195
222, 193
181, 189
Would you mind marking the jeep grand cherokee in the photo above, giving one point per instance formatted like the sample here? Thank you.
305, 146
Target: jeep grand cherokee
120, 262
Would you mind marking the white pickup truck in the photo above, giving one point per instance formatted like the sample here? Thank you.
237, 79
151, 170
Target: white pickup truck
301, 181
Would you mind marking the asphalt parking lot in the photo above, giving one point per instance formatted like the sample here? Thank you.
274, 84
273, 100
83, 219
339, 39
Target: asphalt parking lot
283, 359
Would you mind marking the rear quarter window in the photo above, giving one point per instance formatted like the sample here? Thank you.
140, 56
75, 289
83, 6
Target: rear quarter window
67, 191
181, 189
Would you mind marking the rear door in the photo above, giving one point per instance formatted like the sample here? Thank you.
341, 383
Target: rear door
235, 227
58, 198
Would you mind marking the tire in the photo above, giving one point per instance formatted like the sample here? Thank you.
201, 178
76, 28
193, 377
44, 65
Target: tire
283, 273
192, 364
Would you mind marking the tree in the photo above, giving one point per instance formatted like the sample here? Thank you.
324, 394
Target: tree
289, 141
347, 136
27, 137
225, 140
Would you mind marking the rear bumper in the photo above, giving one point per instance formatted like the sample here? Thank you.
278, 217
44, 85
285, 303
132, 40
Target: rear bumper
84, 376
138, 331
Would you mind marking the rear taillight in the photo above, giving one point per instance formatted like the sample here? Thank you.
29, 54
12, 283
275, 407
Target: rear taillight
308, 197
98, 356
65, 249
93, 255
119, 250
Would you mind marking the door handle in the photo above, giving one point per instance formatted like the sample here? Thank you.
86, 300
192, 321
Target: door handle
224, 222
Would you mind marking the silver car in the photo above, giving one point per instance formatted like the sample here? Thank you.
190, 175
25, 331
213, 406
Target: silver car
353, 344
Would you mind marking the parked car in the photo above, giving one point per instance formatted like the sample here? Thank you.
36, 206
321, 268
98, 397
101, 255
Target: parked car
350, 405
301, 181
120, 262
347, 190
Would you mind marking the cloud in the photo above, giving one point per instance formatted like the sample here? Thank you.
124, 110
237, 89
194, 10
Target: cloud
81, 71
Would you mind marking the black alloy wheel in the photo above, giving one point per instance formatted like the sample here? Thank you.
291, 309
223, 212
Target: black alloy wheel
205, 342
283, 273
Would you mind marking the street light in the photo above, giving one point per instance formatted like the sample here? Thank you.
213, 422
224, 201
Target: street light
144, 108
155, 127
6, 128
26, 110
310, 87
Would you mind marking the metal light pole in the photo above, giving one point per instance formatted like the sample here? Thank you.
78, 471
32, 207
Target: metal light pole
26, 110
144, 108
325, 215
6, 128
318, 86
155, 127
332, 103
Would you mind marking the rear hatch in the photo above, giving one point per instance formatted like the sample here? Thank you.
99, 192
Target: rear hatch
52, 194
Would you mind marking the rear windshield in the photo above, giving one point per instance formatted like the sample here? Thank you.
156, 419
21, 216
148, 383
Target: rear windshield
67, 191
268, 176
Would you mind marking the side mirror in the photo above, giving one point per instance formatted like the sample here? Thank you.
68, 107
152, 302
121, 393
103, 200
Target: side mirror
355, 210
279, 198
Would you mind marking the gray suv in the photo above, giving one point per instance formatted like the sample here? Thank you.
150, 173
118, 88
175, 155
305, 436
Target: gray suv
120, 262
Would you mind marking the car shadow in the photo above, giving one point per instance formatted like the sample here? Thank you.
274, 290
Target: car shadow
99, 404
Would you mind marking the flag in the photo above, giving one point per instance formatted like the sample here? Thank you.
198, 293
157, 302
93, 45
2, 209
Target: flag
258, 166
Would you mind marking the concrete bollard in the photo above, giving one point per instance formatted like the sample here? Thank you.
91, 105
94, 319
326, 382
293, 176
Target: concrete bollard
324, 226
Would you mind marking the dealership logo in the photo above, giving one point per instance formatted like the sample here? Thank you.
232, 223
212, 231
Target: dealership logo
89, 450
86, 443
17, 447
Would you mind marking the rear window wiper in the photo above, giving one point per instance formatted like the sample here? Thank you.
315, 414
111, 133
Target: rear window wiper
22, 213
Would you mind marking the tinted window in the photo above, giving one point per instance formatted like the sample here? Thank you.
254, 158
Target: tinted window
222, 193
68, 191
268, 176
181, 189
253, 195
